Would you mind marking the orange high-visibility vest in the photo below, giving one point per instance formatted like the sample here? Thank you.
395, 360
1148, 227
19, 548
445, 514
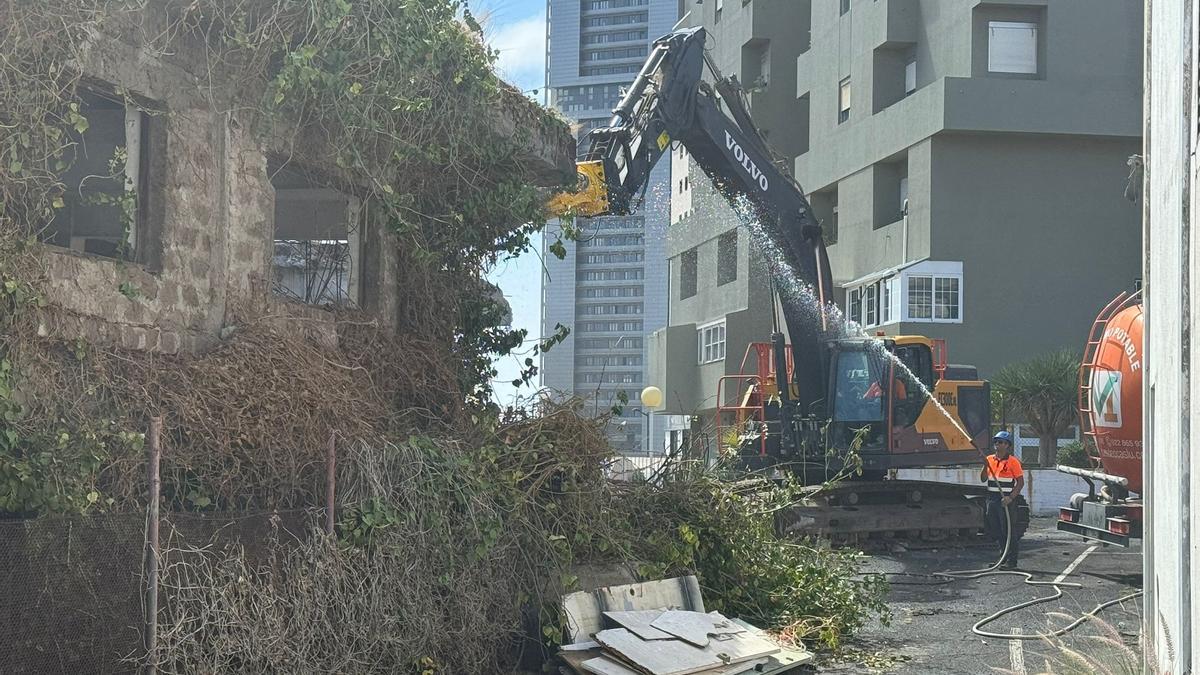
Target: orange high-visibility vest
1003, 473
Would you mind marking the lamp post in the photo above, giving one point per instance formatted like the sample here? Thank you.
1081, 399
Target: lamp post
652, 397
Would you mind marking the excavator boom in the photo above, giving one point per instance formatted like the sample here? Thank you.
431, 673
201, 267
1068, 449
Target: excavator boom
670, 101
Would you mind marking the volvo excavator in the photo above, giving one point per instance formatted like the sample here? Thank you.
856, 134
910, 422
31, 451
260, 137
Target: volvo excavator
852, 405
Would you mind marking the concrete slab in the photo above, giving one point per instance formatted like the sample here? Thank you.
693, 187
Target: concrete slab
1046, 489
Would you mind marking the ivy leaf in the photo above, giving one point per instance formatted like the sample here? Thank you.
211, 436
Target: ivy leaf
558, 250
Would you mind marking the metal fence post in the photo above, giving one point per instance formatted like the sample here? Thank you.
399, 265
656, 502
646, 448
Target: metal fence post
330, 482
152, 552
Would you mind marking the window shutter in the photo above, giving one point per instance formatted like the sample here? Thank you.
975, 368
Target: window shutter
1012, 47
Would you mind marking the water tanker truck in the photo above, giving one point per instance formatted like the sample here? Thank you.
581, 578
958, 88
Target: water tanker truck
1110, 417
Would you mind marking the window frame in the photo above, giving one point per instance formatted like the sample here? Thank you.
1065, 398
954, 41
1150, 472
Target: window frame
144, 148
843, 101
711, 342
952, 291
955, 309
870, 301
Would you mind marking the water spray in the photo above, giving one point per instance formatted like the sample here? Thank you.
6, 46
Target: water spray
780, 269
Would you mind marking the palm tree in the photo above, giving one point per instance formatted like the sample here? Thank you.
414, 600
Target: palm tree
1042, 390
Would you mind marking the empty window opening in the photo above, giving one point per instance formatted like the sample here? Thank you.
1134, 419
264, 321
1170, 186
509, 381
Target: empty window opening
108, 184
727, 257
1013, 47
894, 75
843, 7
688, 262
756, 64
825, 209
317, 241
891, 191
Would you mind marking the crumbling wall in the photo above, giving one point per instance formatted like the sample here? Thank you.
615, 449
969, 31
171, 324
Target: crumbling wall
207, 266
214, 240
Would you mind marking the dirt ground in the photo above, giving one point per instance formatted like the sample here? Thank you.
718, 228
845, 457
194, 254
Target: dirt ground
930, 631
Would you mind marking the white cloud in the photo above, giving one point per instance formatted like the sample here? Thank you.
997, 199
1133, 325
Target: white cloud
522, 46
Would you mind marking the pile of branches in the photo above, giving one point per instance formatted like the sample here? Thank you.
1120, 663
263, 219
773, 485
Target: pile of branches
450, 555
443, 554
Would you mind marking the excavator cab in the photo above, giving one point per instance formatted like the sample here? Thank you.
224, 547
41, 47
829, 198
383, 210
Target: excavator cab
893, 404
858, 392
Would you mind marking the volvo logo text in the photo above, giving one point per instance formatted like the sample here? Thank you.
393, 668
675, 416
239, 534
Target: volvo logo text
747, 163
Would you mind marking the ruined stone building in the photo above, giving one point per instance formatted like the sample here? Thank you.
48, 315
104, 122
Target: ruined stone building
226, 224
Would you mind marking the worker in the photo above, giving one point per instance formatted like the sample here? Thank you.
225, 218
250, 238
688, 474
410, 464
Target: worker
1005, 480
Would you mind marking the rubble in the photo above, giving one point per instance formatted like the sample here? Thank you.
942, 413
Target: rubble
661, 628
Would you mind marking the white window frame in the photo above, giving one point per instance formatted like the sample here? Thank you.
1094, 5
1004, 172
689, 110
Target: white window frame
932, 270
843, 101
870, 300
889, 300
910, 77
854, 306
710, 342
1013, 47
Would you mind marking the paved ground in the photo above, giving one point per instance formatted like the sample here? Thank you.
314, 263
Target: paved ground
931, 628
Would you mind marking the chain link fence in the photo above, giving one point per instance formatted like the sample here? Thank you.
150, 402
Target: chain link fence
75, 587
73, 592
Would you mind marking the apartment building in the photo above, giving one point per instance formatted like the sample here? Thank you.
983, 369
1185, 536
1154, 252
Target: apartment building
610, 288
967, 159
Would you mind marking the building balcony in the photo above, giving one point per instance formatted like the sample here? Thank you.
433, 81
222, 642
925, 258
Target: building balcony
893, 23
971, 105
1039, 106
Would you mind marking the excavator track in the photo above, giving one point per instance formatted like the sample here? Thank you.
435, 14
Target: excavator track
854, 513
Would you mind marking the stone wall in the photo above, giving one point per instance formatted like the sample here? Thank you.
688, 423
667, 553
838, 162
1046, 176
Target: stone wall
203, 260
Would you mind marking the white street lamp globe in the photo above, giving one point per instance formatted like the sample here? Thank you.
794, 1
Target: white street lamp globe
652, 397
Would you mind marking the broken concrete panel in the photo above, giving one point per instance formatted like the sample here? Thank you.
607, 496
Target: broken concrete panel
547, 147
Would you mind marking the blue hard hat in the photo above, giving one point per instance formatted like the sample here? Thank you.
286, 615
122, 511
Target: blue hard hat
1003, 436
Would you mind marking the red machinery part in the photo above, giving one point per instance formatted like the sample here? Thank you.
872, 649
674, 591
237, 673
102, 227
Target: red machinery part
1111, 390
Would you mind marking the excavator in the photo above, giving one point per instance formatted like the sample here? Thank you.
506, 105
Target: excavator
828, 403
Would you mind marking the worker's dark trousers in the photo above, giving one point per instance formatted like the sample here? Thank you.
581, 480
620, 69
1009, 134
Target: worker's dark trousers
997, 527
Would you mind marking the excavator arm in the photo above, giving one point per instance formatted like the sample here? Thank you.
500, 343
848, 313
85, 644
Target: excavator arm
670, 101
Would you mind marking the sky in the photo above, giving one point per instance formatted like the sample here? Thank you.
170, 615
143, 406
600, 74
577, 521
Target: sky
517, 28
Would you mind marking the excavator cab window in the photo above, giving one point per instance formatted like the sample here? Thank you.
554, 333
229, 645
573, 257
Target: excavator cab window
913, 371
859, 397
919, 361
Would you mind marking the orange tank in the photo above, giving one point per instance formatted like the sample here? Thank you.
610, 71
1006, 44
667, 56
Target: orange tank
1113, 406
